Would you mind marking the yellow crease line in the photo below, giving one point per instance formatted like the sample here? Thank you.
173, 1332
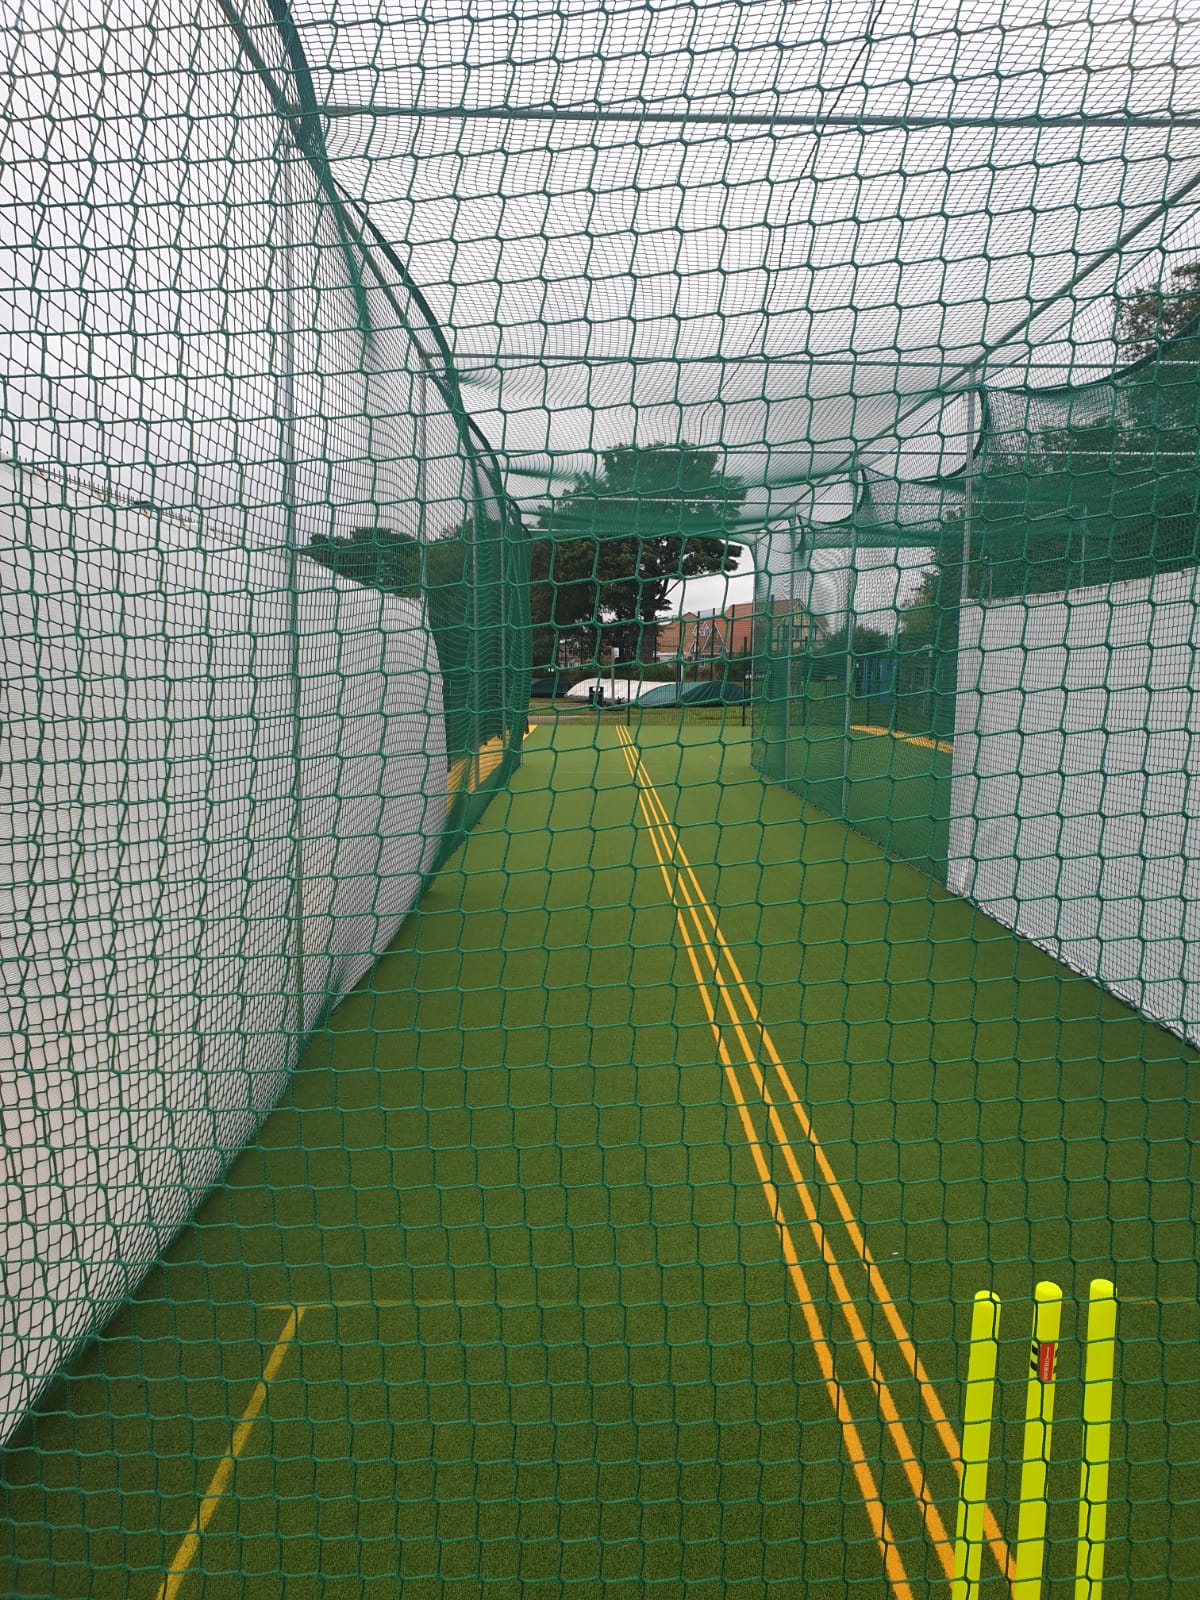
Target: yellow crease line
863, 1344
502, 1303
507, 1303
906, 738
868, 1488
219, 1483
864, 1347
916, 1367
875, 1279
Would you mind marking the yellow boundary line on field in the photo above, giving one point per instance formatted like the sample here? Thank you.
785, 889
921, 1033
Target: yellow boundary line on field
221, 1479
905, 738
695, 902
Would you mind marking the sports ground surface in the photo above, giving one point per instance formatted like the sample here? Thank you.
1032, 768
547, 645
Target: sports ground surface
618, 1235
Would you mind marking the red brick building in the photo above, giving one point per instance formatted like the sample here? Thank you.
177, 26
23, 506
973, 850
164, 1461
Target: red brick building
729, 632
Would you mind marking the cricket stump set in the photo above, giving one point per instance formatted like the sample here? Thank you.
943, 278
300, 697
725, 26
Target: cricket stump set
1098, 1362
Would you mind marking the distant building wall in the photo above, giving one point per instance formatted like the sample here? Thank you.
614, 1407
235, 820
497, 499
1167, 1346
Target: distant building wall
730, 632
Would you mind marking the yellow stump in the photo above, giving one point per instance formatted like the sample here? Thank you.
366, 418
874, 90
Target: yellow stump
978, 1410
1039, 1419
1099, 1356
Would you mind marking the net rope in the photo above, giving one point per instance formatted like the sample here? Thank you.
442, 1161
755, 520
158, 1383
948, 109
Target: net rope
598, 808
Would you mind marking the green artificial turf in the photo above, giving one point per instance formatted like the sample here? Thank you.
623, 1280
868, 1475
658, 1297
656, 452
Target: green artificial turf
551, 1345
893, 790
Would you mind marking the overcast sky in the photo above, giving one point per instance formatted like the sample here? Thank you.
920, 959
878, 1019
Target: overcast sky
885, 580
787, 291
783, 229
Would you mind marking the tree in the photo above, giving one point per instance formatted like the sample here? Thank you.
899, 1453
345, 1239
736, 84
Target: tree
562, 599
614, 543
1108, 494
381, 558
1144, 320
858, 639
923, 616
440, 570
385, 558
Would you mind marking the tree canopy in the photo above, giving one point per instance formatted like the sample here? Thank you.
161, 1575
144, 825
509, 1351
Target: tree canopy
381, 558
613, 544
442, 571
1148, 317
385, 558
923, 615
1108, 492
857, 638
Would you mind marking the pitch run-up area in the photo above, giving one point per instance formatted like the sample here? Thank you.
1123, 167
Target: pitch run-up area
620, 1236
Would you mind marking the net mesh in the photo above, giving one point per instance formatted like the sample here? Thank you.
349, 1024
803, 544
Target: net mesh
597, 824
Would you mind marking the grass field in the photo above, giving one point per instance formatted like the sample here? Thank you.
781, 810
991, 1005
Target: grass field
583, 1255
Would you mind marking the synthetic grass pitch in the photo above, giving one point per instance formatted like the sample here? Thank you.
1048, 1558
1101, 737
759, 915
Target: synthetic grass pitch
549, 1343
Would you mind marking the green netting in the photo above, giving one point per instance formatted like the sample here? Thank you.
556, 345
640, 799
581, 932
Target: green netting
1084, 495
461, 1143
1092, 485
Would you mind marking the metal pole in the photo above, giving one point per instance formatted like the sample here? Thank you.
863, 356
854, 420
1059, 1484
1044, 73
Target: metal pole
789, 642
968, 501
286, 401
422, 452
849, 682
964, 589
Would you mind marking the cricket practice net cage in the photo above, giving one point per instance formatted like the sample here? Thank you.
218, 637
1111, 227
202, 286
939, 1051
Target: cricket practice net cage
264, 648
457, 1142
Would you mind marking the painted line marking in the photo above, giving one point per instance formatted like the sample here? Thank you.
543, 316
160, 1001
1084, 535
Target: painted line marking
501, 1302
900, 1332
863, 1344
905, 738
470, 771
221, 1479
942, 1426
516, 1304
868, 1488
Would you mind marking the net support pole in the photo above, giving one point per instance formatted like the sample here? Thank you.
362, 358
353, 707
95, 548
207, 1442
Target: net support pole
937, 718
847, 714
285, 383
790, 626
968, 500
797, 552
422, 451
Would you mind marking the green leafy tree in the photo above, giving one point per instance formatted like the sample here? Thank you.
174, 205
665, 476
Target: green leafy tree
923, 616
562, 599
613, 544
1145, 319
442, 571
381, 558
1110, 492
858, 639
